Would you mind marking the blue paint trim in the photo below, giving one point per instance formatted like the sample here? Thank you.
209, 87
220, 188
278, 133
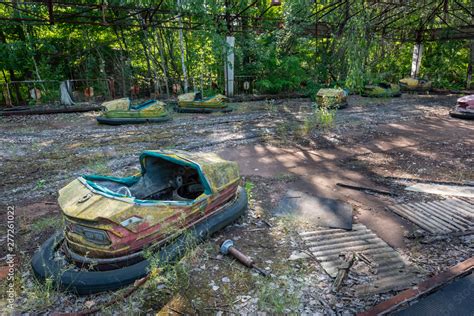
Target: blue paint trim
88, 181
128, 181
142, 106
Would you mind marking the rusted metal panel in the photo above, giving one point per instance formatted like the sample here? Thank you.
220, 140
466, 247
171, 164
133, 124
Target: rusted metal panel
420, 289
439, 217
392, 272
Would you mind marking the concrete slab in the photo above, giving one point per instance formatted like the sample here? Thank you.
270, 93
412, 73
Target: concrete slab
315, 210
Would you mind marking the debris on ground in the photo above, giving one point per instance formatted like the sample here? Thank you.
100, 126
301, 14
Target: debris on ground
393, 272
321, 211
343, 270
366, 189
443, 189
228, 248
371, 140
438, 304
438, 217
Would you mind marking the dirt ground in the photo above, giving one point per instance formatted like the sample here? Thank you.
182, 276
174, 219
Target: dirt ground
379, 143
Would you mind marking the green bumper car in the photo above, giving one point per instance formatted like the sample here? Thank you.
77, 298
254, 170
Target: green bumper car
382, 90
332, 98
120, 111
195, 103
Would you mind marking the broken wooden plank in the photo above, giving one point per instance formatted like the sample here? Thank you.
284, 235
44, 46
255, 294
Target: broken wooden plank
343, 271
361, 188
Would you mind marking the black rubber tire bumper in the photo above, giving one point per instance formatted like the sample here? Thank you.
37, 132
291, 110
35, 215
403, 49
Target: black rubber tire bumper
202, 110
122, 121
82, 282
461, 115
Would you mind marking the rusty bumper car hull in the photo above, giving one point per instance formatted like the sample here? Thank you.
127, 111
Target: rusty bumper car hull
332, 98
46, 265
382, 90
195, 103
414, 84
110, 222
119, 112
464, 108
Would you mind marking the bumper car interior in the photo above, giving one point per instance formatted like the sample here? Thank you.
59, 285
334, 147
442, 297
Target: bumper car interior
161, 180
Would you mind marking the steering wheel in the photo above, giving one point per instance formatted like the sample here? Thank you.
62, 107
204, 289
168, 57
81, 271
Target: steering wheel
126, 189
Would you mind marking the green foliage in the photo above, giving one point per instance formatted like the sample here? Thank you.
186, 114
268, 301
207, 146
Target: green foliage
356, 53
286, 75
248, 186
282, 58
322, 118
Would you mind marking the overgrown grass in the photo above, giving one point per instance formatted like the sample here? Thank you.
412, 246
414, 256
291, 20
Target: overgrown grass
270, 106
39, 295
321, 119
249, 186
40, 184
277, 297
45, 223
99, 167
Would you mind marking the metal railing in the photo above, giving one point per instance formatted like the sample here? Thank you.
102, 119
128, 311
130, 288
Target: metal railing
42, 92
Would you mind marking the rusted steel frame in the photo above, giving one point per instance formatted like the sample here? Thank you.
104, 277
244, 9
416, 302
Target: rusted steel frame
424, 287
384, 11
466, 22
469, 11
337, 4
14, 6
66, 16
402, 14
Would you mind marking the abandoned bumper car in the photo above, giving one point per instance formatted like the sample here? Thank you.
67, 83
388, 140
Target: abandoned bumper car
414, 84
464, 108
332, 98
195, 103
382, 90
121, 111
113, 224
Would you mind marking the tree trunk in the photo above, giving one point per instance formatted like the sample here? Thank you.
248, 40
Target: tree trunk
181, 47
470, 66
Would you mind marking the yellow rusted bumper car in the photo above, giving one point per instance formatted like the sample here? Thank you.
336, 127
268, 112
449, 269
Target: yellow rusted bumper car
121, 111
178, 199
415, 84
195, 103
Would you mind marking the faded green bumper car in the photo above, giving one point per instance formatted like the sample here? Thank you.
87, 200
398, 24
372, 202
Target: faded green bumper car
121, 111
382, 90
111, 224
195, 103
332, 98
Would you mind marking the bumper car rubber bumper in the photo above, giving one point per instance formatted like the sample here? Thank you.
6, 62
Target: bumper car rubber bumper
125, 120
202, 110
462, 115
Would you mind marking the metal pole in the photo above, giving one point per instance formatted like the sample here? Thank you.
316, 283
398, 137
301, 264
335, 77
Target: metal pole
416, 59
230, 66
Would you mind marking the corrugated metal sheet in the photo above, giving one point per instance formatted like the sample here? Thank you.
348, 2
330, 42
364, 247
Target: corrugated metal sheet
466, 199
439, 217
392, 272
